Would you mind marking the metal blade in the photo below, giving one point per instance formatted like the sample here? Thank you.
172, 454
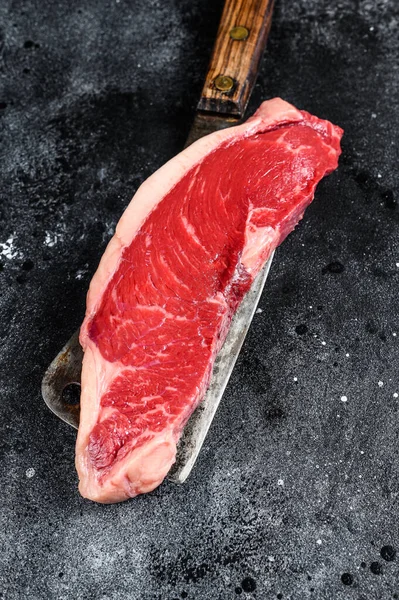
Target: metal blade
205, 123
61, 382
198, 425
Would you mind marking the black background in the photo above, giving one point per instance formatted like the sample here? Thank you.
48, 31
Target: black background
294, 487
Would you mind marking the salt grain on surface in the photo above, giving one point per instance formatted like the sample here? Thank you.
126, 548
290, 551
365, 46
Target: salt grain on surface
344, 399
30, 473
52, 238
80, 274
7, 249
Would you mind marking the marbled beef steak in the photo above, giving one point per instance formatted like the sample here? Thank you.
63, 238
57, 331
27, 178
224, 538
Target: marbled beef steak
185, 252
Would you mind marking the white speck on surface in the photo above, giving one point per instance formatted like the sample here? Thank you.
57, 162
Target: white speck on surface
344, 399
379, 175
271, 558
109, 230
397, 264
295, 378
394, 334
280, 482
8, 249
395, 395
347, 354
361, 451
52, 238
319, 542
317, 466
373, 115
79, 274
380, 383
310, 306
323, 343
30, 472
259, 311
371, 28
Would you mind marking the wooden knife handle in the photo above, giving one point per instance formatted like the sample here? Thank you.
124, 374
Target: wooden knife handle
239, 46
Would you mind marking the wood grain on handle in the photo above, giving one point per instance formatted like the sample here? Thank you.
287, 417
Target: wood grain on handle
234, 62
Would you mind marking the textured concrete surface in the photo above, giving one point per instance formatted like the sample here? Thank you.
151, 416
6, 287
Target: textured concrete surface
296, 491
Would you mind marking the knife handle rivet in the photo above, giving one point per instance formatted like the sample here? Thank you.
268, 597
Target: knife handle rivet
224, 83
239, 33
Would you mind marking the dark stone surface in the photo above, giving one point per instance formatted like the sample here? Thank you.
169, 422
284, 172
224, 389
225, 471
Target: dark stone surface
294, 487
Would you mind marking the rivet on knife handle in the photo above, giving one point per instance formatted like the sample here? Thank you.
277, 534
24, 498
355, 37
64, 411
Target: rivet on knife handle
238, 49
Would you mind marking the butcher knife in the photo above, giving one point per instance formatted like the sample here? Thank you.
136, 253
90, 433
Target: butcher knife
240, 41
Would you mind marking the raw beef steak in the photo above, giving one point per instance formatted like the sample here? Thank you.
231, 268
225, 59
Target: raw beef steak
185, 251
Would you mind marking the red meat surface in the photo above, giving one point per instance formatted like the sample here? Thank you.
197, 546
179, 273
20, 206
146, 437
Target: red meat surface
185, 252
